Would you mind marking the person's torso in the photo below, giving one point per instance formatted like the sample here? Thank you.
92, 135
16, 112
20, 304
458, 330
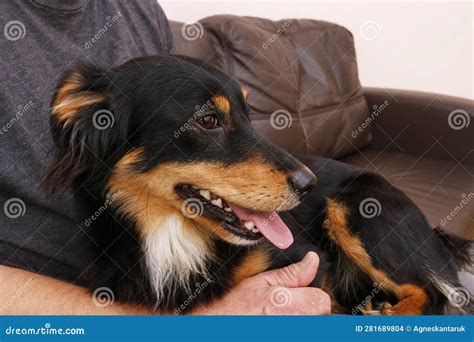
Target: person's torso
41, 39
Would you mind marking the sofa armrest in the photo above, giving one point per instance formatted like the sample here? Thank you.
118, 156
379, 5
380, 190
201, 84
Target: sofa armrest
423, 124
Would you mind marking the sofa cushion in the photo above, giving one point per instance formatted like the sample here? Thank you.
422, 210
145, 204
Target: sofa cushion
442, 189
304, 91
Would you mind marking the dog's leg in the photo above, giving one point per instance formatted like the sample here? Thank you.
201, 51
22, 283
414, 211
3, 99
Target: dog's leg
412, 299
338, 231
368, 310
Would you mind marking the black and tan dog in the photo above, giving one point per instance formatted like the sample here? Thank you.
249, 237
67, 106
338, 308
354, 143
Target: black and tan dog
199, 199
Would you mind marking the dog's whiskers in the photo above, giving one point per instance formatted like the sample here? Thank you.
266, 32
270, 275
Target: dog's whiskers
147, 200
239, 194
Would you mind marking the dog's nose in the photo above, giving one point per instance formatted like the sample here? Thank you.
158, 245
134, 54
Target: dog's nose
302, 182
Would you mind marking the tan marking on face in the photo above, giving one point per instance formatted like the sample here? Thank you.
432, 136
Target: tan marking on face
222, 103
128, 160
256, 261
135, 198
245, 94
253, 184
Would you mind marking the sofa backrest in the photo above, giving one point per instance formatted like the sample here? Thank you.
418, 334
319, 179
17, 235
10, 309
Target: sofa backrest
304, 91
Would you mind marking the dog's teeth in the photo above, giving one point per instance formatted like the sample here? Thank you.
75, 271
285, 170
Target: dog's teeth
249, 225
194, 187
227, 209
206, 194
255, 230
217, 202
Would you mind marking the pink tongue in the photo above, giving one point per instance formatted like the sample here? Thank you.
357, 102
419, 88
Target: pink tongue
268, 223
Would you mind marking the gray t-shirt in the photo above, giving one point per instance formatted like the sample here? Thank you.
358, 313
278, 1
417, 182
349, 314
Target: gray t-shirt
41, 39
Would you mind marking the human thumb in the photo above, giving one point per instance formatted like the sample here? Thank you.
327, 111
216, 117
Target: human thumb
299, 274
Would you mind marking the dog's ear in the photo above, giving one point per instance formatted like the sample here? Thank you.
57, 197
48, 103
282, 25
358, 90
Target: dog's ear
88, 121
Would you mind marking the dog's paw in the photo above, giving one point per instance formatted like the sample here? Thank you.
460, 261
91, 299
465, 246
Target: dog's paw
386, 309
368, 310
382, 309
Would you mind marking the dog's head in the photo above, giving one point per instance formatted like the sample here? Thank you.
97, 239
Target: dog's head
170, 137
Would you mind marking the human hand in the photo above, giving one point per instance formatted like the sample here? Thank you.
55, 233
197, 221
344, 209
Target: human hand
278, 292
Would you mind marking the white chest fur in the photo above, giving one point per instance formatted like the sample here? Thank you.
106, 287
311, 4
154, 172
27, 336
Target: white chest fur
174, 250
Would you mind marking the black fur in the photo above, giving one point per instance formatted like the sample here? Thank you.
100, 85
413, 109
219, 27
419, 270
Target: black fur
400, 241
151, 97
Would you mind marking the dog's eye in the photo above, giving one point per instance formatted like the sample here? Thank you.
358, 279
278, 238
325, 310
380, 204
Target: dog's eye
208, 121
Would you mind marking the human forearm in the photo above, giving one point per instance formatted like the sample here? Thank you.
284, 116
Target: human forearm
26, 293
32, 294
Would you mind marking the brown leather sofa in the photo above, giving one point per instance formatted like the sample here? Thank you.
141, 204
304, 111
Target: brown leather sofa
305, 95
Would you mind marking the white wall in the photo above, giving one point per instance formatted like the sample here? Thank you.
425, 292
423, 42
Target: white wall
418, 45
